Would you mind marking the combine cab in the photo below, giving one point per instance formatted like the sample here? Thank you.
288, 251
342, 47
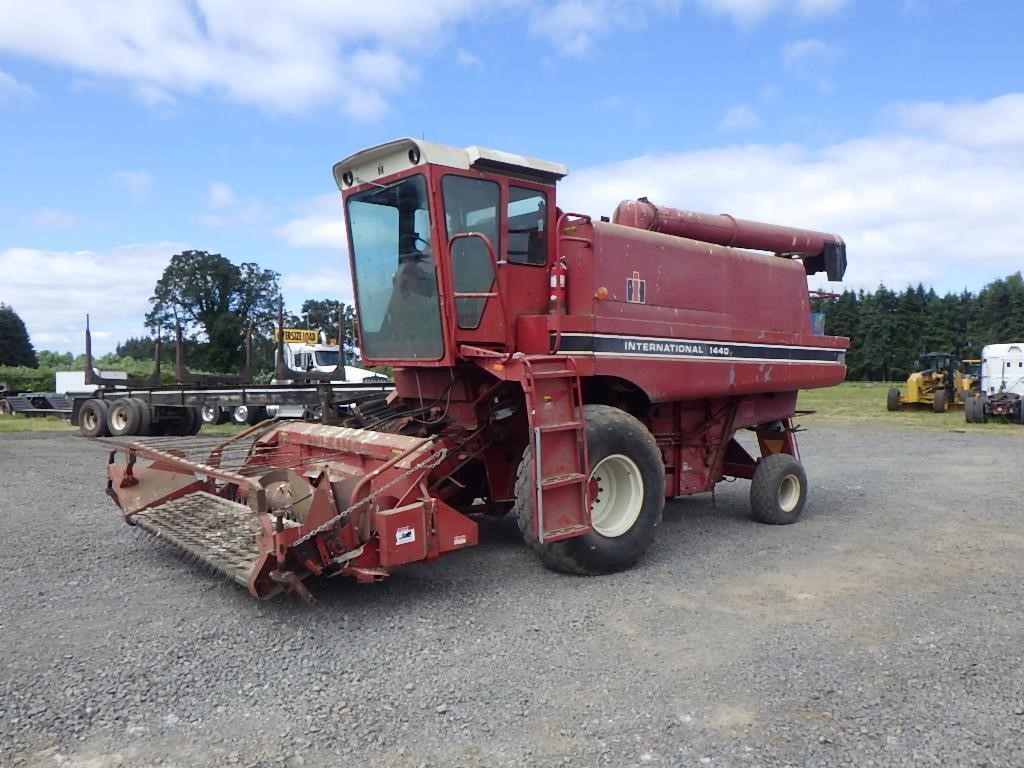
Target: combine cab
573, 372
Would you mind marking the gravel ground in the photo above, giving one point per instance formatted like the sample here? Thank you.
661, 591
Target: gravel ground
885, 628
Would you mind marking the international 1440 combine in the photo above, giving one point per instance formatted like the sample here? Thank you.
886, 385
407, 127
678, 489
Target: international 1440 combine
572, 371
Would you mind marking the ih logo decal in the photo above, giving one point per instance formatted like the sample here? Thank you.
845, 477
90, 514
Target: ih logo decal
636, 289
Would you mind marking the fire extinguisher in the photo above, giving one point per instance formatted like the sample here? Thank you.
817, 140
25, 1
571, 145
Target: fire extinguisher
556, 293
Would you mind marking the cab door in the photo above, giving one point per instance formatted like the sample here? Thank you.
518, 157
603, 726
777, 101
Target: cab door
492, 285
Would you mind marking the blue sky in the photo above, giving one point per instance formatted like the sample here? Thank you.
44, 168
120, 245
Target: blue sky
130, 131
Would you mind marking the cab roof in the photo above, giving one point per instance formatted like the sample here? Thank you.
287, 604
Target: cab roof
398, 155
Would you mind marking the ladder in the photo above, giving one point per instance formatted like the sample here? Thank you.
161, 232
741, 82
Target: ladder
558, 440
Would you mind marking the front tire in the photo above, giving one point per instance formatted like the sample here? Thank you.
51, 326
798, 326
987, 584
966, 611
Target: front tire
892, 400
778, 490
628, 482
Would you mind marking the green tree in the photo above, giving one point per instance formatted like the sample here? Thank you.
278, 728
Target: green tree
15, 346
210, 298
58, 361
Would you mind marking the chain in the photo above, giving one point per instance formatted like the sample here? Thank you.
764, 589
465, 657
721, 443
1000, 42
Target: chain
427, 464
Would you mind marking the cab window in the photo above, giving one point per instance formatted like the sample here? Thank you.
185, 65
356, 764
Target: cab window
527, 214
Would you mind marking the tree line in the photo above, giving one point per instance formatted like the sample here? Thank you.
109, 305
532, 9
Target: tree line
889, 330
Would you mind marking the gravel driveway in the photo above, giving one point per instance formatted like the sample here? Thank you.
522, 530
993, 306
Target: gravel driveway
885, 628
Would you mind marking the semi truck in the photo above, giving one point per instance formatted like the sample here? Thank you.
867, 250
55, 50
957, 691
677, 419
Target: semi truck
569, 370
1002, 385
304, 350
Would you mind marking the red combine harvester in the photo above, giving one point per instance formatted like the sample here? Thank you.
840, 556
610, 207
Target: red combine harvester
572, 371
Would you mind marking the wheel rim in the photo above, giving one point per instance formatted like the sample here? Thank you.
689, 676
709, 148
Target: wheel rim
789, 493
241, 413
209, 413
90, 420
619, 495
119, 418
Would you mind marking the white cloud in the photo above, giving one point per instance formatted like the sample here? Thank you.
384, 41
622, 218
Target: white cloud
136, 182
53, 291
810, 60
995, 123
235, 216
467, 59
739, 118
9, 87
295, 56
574, 26
803, 54
913, 206
322, 282
320, 225
50, 218
221, 195
282, 56
747, 12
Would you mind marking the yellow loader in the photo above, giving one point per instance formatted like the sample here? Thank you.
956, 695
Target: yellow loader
940, 384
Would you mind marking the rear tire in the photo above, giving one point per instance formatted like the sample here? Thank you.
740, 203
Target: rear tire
778, 490
939, 401
5, 408
92, 418
627, 465
892, 401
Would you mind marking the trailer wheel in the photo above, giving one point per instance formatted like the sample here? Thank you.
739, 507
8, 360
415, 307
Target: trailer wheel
128, 416
892, 401
627, 467
248, 414
145, 415
92, 418
980, 411
778, 491
5, 407
213, 414
939, 401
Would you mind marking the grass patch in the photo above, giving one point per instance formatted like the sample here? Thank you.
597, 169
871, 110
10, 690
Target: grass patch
17, 422
854, 402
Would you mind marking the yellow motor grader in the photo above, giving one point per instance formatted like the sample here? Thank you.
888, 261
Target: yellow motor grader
941, 383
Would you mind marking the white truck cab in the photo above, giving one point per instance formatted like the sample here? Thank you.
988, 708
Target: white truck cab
310, 351
1002, 368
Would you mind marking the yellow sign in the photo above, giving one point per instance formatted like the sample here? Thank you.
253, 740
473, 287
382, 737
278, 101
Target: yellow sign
298, 336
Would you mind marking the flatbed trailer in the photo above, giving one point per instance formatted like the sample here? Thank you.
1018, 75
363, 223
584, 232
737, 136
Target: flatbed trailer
137, 410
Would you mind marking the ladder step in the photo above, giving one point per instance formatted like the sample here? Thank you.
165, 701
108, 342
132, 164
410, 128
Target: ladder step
553, 374
559, 480
560, 426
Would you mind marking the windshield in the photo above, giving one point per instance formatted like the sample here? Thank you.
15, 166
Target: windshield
326, 358
395, 274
